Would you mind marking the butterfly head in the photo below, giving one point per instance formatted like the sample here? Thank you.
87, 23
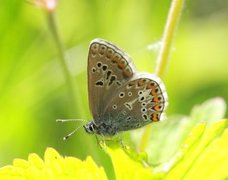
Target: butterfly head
90, 127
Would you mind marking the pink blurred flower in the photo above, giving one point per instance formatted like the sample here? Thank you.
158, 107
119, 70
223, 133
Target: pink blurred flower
50, 5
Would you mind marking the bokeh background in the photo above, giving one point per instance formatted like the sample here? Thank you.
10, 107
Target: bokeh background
33, 93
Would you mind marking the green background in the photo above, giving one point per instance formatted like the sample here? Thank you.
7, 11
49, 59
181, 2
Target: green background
33, 93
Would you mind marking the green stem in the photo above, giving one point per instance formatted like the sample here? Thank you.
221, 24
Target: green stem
169, 32
163, 57
62, 61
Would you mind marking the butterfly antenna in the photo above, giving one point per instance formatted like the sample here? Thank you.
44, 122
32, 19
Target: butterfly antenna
70, 134
71, 120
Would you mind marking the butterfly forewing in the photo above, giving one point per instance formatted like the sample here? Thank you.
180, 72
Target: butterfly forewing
108, 70
137, 103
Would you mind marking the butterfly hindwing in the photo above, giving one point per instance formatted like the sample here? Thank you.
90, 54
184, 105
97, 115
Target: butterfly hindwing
137, 103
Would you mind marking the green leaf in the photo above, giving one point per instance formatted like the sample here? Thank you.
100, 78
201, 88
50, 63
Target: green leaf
202, 155
197, 153
210, 111
167, 136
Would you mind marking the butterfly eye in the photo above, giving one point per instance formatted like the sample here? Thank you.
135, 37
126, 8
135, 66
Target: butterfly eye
91, 128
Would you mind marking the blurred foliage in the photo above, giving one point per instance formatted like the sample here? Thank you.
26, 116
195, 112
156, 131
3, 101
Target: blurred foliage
188, 163
33, 93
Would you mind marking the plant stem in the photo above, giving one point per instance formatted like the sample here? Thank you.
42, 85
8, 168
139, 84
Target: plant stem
169, 32
62, 61
163, 57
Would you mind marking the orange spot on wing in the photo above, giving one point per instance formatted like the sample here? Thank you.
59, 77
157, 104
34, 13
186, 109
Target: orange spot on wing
94, 48
155, 117
122, 63
102, 49
116, 58
141, 82
157, 99
151, 85
110, 53
154, 91
127, 72
158, 107
131, 84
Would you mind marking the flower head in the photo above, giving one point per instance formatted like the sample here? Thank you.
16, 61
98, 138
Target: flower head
50, 5
53, 166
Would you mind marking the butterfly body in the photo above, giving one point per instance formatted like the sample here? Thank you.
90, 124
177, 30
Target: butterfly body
120, 98
100, 129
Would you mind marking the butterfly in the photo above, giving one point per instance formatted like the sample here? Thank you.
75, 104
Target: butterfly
120, 98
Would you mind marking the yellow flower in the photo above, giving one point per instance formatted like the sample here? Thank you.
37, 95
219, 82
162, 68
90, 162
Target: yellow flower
203, 155
53, 166
127, 167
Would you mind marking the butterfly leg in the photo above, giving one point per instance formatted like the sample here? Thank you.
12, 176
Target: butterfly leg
101, 142
120, 140
98, 141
